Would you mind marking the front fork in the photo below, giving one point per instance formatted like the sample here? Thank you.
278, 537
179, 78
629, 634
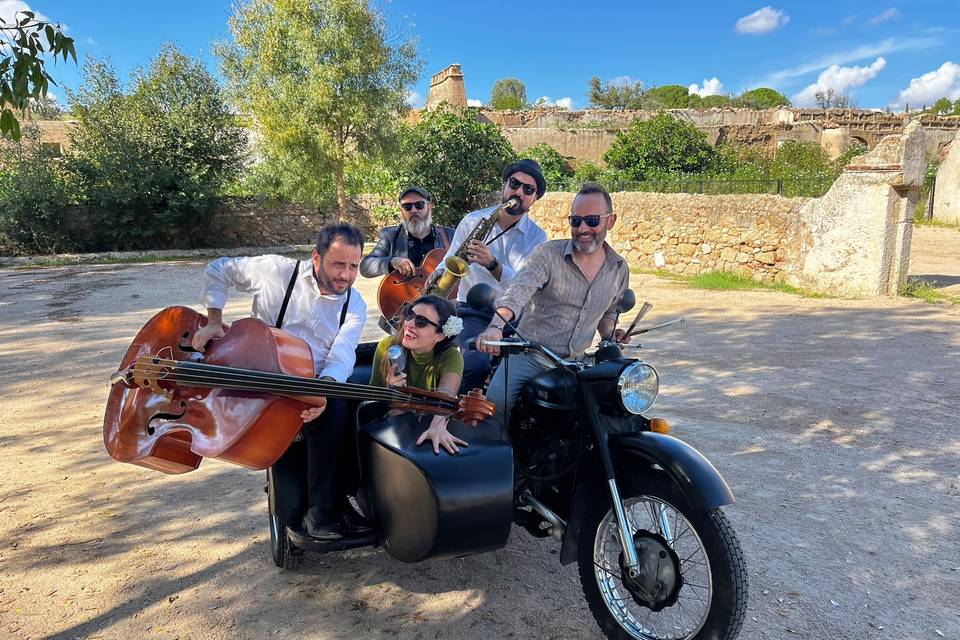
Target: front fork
632, 563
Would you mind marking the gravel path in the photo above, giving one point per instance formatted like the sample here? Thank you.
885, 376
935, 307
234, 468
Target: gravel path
834, 421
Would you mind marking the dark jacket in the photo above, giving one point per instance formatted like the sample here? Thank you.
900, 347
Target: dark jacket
393, 243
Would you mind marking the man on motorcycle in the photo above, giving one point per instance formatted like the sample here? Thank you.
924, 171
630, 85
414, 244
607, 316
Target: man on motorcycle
570, 290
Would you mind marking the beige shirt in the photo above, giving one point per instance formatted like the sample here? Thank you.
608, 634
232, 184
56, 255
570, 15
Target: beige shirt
562, 308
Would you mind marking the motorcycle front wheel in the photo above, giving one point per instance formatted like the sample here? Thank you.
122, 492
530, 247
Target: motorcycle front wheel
692, 582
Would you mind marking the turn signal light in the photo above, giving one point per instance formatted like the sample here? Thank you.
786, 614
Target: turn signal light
659, 425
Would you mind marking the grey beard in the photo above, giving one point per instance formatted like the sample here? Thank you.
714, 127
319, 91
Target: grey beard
594, 245
420, 228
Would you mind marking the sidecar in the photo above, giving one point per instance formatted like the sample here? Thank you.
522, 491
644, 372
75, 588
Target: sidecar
421, 505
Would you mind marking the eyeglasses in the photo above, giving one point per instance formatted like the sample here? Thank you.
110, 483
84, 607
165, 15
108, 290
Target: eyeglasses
592, 221
419, 204
528, 189
419, 321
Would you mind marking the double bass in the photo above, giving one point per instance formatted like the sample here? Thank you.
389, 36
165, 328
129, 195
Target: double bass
240, 401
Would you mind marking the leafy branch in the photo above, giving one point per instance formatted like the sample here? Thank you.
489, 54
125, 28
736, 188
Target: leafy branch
23, 75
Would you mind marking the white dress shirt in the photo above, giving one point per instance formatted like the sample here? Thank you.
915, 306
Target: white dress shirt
510, 249
311, 315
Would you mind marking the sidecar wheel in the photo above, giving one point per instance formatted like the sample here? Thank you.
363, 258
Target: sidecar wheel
285, 555
693, 579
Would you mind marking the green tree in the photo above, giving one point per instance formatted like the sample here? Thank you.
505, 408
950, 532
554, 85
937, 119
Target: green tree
556, 169
36, 194
508, 93
708, 102
631, 95
663, 144
151, 163
23, 73
324, 81
670, 96
456, 157
942, 106
761, 98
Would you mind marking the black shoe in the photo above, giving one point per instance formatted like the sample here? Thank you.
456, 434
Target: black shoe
355, 524
322, 527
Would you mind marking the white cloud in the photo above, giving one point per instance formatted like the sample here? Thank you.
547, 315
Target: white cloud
880, 18
10, 8
928, 88
862, 52
840, 79
711, 87
762, 21
89, 41
414, 99
474, 103
545, 101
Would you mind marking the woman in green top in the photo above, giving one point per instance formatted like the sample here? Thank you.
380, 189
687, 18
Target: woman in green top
433, 361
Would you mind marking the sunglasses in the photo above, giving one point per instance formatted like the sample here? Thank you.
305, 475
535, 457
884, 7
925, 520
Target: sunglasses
528, 189
419, 321
419, 204
592, 221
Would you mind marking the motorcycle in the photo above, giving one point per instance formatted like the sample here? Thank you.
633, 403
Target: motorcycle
637, 509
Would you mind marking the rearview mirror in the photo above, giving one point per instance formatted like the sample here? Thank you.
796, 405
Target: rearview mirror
627, 301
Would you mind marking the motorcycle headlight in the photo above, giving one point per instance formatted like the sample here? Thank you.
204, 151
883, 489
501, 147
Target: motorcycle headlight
638, 386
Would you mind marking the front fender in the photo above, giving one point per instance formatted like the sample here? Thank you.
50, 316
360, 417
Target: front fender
701, 483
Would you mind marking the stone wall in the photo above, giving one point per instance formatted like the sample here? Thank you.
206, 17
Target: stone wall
252, 222
946, 194
694, 233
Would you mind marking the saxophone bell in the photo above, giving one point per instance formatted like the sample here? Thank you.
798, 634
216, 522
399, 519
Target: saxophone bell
454, 269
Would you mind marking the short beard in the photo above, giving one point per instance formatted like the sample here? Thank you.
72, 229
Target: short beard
595, 244
519, 210
326, 286
418, 228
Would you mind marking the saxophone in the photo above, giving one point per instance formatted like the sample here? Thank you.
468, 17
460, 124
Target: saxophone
455, 267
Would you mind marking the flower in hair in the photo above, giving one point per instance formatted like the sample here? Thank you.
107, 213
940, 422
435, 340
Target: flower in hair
452, 327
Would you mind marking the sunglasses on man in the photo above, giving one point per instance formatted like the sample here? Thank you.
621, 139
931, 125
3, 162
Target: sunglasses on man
419, 321
592, 221
419, 204
528, 189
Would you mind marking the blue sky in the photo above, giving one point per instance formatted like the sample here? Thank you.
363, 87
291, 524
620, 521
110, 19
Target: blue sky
883, 54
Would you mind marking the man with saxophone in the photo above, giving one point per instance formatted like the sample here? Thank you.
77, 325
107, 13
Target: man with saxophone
494, 257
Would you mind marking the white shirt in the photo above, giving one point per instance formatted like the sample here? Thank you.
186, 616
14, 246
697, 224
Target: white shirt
511, 250
311, 315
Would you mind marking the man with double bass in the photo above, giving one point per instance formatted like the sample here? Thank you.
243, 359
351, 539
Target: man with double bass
495, 258
315, 301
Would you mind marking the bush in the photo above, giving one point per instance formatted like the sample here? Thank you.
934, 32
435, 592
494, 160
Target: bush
661, 145
36, 198
556, 169
152, 163
457, 158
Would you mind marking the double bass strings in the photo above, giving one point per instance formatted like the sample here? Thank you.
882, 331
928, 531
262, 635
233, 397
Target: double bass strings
252, 380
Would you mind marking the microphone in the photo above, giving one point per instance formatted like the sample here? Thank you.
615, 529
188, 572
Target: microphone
397, 358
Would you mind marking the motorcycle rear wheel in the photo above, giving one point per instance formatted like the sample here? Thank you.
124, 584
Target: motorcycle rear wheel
708, 602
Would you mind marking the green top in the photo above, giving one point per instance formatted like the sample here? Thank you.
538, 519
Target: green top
423, 370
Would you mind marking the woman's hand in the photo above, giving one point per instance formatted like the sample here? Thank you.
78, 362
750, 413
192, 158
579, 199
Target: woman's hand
396, 379
437, 434
312, 413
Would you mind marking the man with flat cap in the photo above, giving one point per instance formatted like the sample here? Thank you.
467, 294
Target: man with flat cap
496, 259
402, 247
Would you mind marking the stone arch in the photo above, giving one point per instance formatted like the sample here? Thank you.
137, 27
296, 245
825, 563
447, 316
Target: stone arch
862, 141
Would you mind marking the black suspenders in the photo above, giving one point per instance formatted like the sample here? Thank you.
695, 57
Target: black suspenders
286, 298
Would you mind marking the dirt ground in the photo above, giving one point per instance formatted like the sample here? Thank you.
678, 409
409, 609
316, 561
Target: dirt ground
834, 421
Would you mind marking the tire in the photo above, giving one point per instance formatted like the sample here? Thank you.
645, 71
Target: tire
285, 555
708, 601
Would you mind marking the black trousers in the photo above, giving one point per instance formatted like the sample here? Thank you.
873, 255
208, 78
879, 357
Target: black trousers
324, 437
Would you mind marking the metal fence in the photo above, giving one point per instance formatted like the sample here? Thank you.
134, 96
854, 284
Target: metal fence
790, 188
